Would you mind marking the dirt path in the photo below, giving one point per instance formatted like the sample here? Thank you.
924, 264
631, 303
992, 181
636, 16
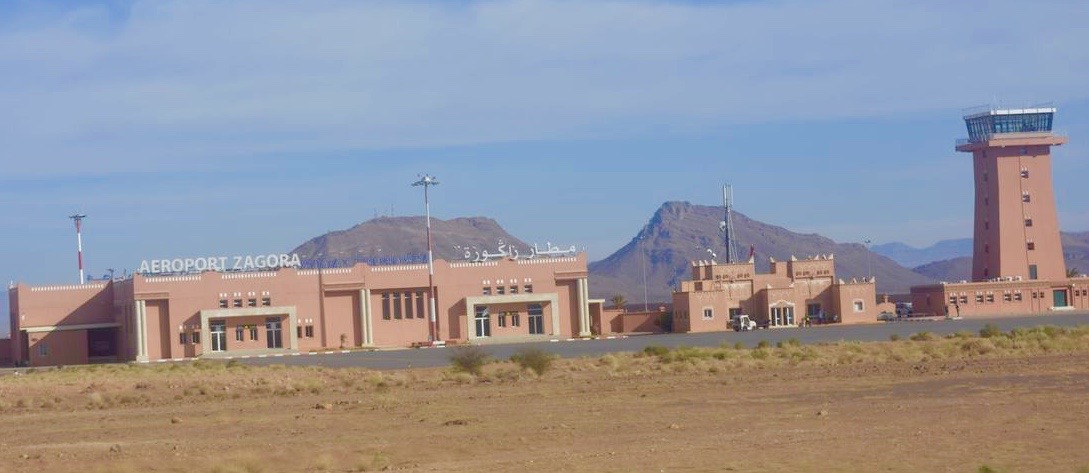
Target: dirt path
1026, 414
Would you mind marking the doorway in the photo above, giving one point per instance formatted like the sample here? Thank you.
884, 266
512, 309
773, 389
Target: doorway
1059, 298
219, 335
536, 319
483, 321
274, 332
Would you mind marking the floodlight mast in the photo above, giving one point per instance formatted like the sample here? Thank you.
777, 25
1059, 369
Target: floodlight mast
78, 218
426, 181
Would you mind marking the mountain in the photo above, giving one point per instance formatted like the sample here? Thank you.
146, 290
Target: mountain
949, 270
680, 232
1075, 252
911, 257
399, 239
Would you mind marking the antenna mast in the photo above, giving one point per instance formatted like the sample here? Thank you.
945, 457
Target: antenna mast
78, 218
727, 225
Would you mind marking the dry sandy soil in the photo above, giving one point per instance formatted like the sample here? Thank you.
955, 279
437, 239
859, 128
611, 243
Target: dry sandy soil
991, 412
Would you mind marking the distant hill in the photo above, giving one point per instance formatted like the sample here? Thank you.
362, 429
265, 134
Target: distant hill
910, 257
393, 237
1075, 252
680, 232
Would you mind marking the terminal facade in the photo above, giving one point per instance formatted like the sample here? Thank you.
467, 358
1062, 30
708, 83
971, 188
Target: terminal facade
287, 311
792, 293
1017, 261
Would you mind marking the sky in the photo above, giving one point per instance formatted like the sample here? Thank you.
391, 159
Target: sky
197, 127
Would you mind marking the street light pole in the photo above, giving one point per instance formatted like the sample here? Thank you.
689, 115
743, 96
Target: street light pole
427, 181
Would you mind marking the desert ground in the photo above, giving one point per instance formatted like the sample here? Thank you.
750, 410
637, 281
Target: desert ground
1001, 402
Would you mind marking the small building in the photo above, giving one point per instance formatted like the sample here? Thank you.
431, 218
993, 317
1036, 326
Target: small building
792, 293
289, 310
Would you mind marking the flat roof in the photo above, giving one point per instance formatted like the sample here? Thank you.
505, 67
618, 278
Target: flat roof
1010, 111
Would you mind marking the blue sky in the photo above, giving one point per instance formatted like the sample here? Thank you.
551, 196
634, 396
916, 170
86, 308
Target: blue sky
190, 127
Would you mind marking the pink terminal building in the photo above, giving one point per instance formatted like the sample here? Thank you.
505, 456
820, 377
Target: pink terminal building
1017, 262
792, 293
288, 310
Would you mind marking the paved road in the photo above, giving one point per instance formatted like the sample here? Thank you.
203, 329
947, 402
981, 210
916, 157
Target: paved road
437, 357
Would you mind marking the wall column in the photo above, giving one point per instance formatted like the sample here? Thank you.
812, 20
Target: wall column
365, 327
584, 308
141, 331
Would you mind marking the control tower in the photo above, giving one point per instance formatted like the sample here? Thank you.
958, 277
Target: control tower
1016, 224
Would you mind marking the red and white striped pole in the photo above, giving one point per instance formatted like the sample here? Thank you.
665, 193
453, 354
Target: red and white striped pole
78, 218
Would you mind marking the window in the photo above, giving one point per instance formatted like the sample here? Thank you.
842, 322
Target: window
500, 290
43, 349
514, 289
990, 298
1026, 197
298, 332
502, 319
420, 304
309, 331
397, 306
952, 299
253, 332
860, 306
515, 319
196, 338
1031, 245
528, 289
979, 298
708, 313
385, 306
238, 333
1028, 222
1024, 173
487, 291
238, 302
251, 303
408, 305
183, 338
1007, 297
1032, 272
266, 301
223, 303
963, 299
1017, 297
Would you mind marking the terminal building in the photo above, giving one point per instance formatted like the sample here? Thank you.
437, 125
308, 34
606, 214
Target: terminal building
289, 310
792, 293
1017, 261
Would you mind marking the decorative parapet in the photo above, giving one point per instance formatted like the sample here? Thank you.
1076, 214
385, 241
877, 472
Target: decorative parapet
192, 278
315, 272
71, 287
265, 274
548, 260
484, 264
398, 268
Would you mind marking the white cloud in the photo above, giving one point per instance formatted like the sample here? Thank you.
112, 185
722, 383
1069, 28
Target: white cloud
189, 83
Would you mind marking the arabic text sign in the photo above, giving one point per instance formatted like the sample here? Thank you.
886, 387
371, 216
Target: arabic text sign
220, 263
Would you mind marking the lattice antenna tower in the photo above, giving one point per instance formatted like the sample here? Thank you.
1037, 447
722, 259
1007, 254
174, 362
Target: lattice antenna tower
727, 225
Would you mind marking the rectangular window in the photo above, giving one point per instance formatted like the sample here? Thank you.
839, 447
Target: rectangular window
420, 305
502, 319
1007, 297
514, 289
979, 298
1028, 222
1033, 274
812, 310
708, 314
253, 332
266, 301
860, 306
515, 319
195, 338
500, 290
238, 302
487, 291
1024, 173
309, 331
397, 306
1017, 297
239, 334
1031, 245
963, 299
251, 303
298, 332
528, 289
990, 298
385, 306
43, 349
183, 338
408, 305
223, 303
1026, 197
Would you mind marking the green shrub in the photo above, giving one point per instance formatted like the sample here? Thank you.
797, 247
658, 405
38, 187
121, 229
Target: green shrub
534, 359
922, 337
739, 346
656, 350
990, 330
763, 344
469, 359
894, 338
